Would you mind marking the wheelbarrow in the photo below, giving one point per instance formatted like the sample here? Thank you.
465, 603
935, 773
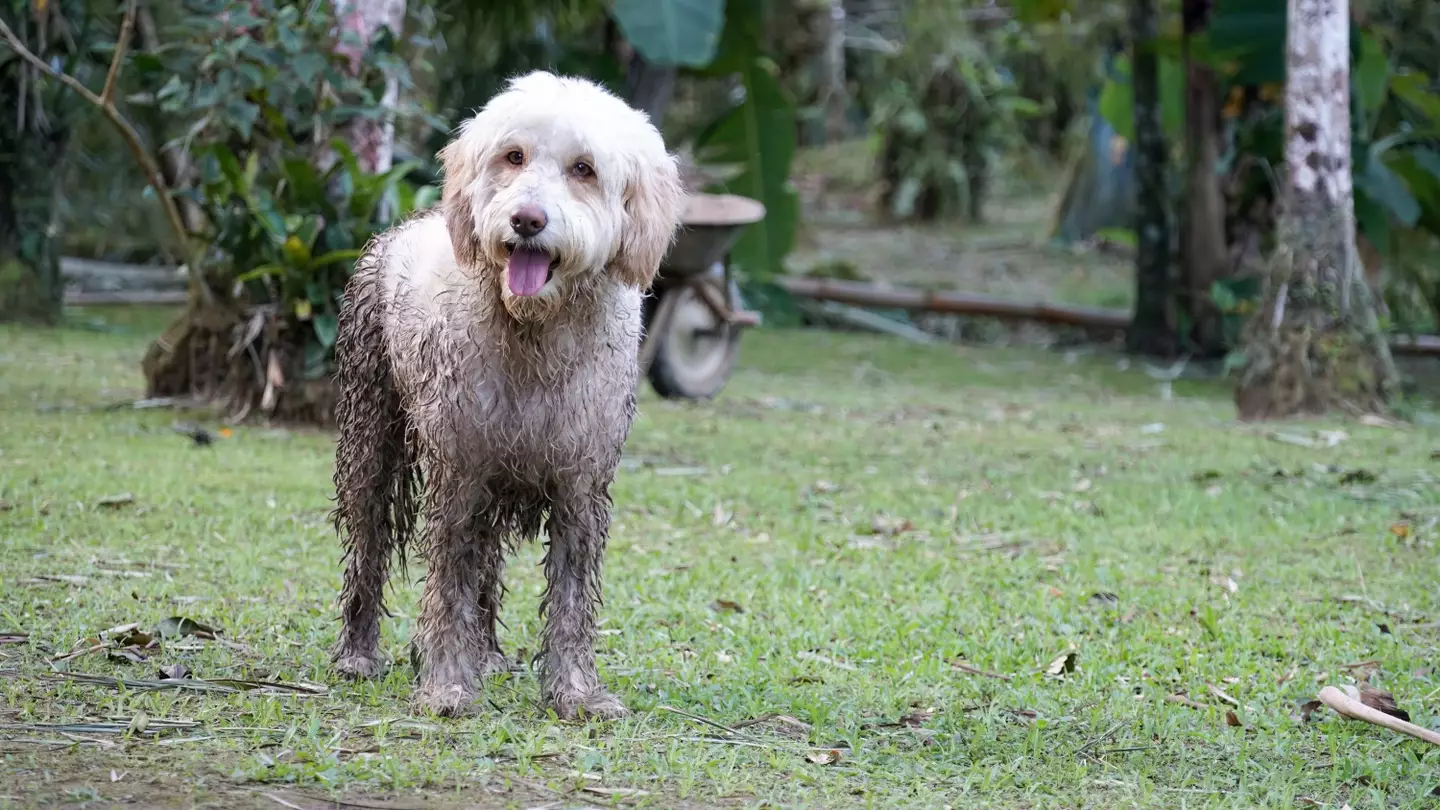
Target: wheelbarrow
694, 315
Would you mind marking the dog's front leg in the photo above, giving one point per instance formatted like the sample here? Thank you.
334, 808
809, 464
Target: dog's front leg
452, 642
578, 526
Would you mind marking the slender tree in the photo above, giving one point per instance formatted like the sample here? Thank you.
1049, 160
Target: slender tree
1153, 329
1315, 345
1203, 256
373, 140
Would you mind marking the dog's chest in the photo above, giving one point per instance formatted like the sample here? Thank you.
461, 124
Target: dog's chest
536, 409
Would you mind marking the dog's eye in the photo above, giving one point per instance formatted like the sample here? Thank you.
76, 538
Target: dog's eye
583, 170
515, 156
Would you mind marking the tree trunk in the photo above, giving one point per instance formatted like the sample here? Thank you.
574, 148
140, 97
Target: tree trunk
834, 95
373, 141
1203, 246
649, 87
1316, 345
1153, 330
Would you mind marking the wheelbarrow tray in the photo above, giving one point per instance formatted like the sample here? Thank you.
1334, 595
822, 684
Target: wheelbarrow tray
711, 225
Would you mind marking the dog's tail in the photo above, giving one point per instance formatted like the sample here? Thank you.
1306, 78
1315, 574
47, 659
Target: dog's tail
377, 476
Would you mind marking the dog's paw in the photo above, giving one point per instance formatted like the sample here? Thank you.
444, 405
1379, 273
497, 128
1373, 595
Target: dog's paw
494, 663
355, 666
449, 700
597, 705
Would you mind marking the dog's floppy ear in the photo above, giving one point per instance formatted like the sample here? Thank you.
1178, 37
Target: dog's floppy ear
654, 201
460, 174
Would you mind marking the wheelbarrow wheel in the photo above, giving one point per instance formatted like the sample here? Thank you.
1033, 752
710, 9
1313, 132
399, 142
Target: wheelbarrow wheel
697, 350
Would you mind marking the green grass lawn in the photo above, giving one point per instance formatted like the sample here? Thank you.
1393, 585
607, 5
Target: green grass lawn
845, 583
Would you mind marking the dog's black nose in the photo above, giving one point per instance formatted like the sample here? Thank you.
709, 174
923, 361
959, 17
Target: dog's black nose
528, 221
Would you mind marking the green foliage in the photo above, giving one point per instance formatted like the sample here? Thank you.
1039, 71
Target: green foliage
290, 233
672, 32
1237, 298
757, 138
944, 116
1117, 99
267, 75
1395, 123
261, 90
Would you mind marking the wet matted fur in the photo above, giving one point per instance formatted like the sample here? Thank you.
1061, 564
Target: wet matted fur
499, 406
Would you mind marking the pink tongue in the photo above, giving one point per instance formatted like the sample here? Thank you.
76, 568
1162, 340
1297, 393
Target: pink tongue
527, 270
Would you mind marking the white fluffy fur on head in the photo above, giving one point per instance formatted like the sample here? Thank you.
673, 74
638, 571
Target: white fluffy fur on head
596, 168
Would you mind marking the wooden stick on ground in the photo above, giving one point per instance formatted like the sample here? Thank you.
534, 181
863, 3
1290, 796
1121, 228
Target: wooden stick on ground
1348, 706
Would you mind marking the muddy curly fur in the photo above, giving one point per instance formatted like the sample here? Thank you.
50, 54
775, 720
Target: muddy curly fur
498, 414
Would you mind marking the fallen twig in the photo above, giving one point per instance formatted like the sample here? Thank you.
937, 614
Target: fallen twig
970, 669
221, 686
1102, 738
1352, 708
697, 718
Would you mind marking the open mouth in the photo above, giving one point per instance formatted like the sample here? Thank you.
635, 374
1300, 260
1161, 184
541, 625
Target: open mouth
528, 269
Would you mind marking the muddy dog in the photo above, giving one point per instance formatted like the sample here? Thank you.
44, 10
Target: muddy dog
487, 369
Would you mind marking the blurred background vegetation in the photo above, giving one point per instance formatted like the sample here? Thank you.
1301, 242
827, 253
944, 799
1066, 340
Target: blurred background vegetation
971, 145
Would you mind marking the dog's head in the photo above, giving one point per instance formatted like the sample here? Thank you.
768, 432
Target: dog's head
555, 183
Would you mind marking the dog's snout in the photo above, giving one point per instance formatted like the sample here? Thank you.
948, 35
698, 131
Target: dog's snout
529, 220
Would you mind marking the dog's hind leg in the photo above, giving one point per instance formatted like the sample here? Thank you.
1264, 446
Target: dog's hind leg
578, 527
376, 478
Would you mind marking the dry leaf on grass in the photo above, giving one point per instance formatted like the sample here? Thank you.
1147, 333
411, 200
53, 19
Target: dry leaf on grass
1064, 663
1377, 699
811, 655
127, 655
1184, 700
917, 718
179, 627
726, 606
890, 526
1232, 719
1358, 477
116, 501
173, 672
824, 756
1220, 693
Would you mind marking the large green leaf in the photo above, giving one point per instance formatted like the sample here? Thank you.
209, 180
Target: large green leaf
1040, 11
1388, 190
1248, 38
1419, 168
672, 32
1117, 99
1414, 89
759, 135
1370, 77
